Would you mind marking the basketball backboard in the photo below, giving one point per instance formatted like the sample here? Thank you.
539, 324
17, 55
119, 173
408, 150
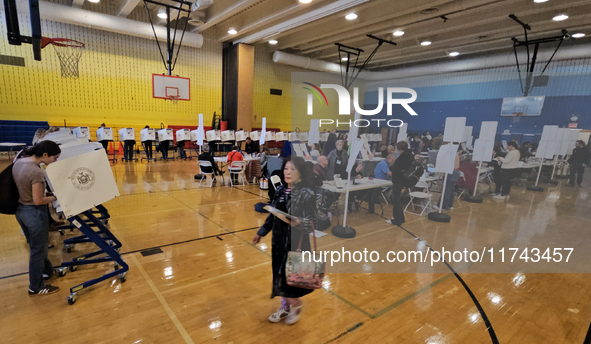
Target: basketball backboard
171, 87
12, 26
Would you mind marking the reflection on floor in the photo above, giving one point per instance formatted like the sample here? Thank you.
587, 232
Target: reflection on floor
211, 285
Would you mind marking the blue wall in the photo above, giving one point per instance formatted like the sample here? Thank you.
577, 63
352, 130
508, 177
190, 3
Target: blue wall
478, 96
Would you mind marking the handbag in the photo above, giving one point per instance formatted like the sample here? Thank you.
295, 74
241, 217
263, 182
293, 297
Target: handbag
304, 274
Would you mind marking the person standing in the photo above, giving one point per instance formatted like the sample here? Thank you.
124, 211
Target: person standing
577, 161
337, 162
401, 164
509, 170
330, 144
32, 213
148, 146
296, 198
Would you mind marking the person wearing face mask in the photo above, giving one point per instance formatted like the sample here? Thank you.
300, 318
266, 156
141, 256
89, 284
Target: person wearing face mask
337, 162
296, 197
32, 213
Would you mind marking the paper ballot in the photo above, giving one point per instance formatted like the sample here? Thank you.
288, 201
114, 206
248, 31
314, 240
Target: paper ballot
82, 182
446, 158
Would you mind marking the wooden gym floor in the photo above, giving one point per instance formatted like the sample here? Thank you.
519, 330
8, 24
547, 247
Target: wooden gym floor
210, 285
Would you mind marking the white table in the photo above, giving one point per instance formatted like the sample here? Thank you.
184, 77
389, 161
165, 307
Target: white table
11, 146
361, 184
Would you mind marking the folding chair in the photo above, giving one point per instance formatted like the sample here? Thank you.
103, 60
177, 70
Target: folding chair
208, 166
275, 180
237, 168
423, 195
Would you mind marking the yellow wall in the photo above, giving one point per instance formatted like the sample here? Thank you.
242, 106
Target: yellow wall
279, 110
115, 84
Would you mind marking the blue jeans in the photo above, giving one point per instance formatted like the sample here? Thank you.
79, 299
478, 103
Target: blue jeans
448, 196
34, 221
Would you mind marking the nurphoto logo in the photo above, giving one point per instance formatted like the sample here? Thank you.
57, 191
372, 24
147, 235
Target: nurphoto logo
345, 103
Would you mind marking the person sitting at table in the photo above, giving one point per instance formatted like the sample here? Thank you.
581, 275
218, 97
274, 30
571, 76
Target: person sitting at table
234, 155
320, 167
264, 158
392, 150
382, 170
356, 197
206, 156
337, 162
525, 151
251, 146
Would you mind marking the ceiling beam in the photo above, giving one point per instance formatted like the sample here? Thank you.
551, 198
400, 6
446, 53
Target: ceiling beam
77, 3
330, 9
126, 6
224, 14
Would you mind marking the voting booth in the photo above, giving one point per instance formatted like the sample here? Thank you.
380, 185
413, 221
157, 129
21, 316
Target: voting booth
241, 135
547, 148
294, 136
126, 134
213, 135
104, 134
165, 135
64, 135
147, 134
183, 135
81, 132
255, 135
82, 180
324, 137
270, 136
281, 136
304, 137
228, 135
483, 150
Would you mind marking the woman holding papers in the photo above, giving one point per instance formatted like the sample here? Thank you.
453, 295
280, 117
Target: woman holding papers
509, 169
293, 215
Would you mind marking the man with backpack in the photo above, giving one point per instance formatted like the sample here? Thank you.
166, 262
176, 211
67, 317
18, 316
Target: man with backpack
399, 180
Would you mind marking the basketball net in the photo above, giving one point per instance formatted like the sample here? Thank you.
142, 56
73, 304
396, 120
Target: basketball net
69, 52
516, 117
174, 99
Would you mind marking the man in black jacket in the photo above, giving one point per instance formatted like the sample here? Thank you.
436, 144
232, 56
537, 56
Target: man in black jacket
577, 161
206, 156
250, 146
402, 163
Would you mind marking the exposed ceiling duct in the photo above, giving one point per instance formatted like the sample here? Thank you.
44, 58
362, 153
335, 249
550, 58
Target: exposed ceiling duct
491, 61
100, 21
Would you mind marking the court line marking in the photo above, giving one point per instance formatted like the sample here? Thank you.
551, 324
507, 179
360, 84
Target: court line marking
266, 253
163, 302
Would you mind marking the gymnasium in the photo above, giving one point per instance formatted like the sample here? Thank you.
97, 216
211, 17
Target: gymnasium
438, 152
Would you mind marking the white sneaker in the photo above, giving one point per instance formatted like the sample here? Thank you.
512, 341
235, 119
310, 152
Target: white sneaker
507, 196
294, 315
279, 315
499, 197
493, 194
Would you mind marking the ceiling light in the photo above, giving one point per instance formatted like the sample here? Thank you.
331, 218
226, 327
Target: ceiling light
578, 35
273, 41
351, 16
161, 13
425, 43
95, 1
560, 17
398, 33
232, 31
454, 53
305, 1
539, 1
345, 59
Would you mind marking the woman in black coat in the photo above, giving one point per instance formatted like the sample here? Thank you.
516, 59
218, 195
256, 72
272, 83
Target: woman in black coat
402, 163
298, 199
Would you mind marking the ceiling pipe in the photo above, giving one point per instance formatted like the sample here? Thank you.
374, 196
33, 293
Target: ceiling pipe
491, 61
105, 22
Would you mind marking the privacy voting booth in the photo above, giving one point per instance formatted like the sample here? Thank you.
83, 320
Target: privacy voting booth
82, 180
483, 149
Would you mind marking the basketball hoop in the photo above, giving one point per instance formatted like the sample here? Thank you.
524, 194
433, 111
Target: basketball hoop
174, 99
68, 51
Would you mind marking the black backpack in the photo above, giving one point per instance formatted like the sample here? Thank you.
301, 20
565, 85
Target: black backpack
9, 195
411, 176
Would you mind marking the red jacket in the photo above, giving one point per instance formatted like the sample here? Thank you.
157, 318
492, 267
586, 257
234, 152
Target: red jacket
234, 156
